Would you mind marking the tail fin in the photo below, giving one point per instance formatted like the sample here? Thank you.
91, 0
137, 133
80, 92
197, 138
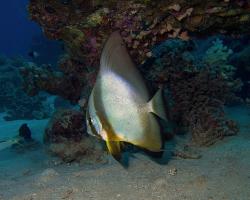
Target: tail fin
156, 105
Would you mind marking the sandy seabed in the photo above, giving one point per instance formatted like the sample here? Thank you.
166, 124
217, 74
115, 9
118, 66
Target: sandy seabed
223, 172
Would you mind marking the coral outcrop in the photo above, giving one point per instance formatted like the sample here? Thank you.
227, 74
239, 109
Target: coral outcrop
197, 86
65, 125
217, 58
67, 139
84, 26
197, 90
55, 82
13, 100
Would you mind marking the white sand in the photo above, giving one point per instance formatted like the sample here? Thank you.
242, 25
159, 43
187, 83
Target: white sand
223, 173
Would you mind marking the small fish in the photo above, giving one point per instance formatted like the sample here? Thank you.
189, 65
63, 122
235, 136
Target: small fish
4, 144
65, 2
119, 108
33, 54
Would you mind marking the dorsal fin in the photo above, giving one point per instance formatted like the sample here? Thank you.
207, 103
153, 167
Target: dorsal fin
115, 55
115, 58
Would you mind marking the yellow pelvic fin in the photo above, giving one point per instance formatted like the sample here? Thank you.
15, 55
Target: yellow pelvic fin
114, 148
112, 140
156, 105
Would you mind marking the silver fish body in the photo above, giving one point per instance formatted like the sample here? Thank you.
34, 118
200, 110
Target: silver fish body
119, 107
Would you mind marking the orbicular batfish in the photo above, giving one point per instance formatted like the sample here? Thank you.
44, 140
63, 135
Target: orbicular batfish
119, 108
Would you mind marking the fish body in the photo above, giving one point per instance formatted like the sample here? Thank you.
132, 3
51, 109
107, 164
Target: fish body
33, 54
119, 107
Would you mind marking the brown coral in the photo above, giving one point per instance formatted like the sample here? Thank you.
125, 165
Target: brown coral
65, 125
196, 95
66, 138
85, 25
36, 79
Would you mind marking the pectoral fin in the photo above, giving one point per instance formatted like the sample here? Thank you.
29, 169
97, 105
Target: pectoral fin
156, 105
113, 142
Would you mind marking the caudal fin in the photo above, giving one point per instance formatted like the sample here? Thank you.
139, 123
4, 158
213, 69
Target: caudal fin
156, 105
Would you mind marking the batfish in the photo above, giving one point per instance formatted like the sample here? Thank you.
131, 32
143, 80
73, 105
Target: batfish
119, 107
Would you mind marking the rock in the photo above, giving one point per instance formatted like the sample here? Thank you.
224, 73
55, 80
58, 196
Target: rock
65, 125
86, 151
24, 131
172, 171
66, 138
24, 140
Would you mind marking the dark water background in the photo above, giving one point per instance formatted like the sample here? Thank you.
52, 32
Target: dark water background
16, 31
19, 35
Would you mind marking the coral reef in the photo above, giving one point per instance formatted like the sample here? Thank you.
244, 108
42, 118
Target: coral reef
16, 103
67, 139
196, 90
43, 78
197, 87
217, 58
85, 25
23, 106
198, 104
65, 125
18, 61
